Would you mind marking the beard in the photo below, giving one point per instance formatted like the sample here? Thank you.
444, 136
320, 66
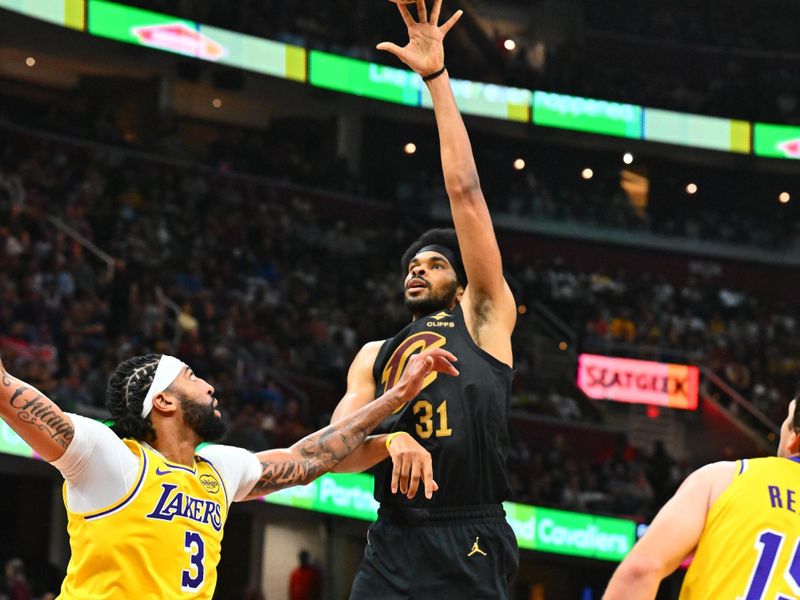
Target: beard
433, 302
202, 420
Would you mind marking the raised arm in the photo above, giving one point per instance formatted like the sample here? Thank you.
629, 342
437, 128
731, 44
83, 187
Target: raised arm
673, 535
321, 451
487, 293
34, 417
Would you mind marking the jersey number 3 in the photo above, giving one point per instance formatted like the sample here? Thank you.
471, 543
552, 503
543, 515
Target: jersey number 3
192, 578
769, 546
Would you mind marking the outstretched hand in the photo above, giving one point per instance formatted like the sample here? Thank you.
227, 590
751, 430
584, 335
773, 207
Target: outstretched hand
424, 52
419, 367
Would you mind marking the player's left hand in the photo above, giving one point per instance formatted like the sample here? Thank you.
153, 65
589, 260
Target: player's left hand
424, 52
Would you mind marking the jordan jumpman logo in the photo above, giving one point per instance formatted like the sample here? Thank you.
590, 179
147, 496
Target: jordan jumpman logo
476, 548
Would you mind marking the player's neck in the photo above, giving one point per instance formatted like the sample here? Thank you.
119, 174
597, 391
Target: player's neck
177, 446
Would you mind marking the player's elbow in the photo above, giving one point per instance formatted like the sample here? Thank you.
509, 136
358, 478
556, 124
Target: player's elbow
461, 187
637, 577
643, 568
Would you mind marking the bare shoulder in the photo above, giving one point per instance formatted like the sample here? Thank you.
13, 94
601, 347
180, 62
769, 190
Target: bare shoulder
367, 355
712, 479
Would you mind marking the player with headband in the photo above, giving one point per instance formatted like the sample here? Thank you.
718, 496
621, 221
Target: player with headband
145, 509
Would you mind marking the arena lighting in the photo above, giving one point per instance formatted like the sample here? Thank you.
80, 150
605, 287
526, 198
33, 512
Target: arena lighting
691, 189
627, 158
216, 103
510, 45
784, 197
30, 61
587, 173
563, 346
519, 164
522, 309
410, 148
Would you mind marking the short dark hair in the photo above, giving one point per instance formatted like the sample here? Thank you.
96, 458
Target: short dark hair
440, 237
127, 388
796, 415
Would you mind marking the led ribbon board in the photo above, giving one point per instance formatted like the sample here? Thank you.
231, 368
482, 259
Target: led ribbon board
570, 533
587, 114
487, 100
70, 13
696, 131
362, 78
639, 381
182, 36
777, 141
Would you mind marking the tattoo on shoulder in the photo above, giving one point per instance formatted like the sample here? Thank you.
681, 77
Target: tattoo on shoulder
35, 409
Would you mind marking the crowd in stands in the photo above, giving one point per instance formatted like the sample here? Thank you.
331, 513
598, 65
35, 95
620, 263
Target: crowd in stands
701, 57
549, 189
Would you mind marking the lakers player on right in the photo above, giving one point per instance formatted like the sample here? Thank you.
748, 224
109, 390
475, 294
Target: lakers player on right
740, 519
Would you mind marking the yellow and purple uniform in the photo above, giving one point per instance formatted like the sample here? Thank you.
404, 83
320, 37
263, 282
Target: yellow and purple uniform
750, 547
161, 540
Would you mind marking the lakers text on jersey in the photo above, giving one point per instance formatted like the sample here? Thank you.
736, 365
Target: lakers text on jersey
162, 540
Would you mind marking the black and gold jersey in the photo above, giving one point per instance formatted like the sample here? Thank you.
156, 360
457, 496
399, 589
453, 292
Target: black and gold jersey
462, 421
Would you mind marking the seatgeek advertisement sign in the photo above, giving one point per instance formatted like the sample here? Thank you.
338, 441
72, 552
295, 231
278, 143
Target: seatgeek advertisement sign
350, 495
639, 381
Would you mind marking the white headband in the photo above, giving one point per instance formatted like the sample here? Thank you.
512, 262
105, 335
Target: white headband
167, 371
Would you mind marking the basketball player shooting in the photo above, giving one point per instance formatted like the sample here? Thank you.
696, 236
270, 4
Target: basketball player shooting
454, 543
146, 512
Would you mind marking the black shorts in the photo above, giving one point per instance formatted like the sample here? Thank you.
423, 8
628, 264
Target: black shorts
442, 554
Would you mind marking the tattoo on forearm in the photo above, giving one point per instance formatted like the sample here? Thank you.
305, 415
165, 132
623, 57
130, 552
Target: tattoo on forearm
6, 378
35, 409
319, 453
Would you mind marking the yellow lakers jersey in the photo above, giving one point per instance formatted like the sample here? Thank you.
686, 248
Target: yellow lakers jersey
162, 540
750, 547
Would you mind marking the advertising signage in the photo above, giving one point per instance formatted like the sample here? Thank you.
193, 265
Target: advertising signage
638, 381
570, 533
363, 78
696, 131
343, 494
182, 36
587, 114
487, 100
776, 141
58, 12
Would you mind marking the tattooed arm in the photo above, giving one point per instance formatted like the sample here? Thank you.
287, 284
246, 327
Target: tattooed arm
34, 417
321, 451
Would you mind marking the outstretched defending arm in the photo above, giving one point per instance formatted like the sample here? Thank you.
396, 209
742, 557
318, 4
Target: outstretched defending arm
319, 452
34, 417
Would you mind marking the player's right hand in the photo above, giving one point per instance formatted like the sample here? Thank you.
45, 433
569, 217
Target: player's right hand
419, 367
411, 463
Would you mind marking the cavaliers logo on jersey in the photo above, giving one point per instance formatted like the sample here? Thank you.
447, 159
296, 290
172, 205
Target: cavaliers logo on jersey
419, 342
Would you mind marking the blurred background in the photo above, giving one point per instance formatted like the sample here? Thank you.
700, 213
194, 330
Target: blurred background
234, 183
